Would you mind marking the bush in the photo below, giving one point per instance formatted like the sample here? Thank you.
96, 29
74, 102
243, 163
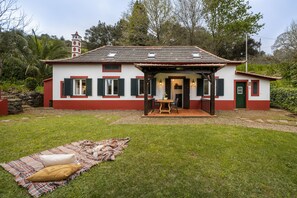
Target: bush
285, 98
31, 83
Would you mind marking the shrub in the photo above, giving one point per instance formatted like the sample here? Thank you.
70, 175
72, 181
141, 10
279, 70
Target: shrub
284, 98
31, 83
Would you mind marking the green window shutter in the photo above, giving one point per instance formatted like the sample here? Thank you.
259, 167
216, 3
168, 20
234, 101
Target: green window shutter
168, 87
68, 87
101, 87
122, 87
220, 87
153, 86
134, 87
89, 87
200, 82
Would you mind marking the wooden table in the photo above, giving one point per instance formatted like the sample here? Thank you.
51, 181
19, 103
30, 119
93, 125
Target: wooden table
163, 108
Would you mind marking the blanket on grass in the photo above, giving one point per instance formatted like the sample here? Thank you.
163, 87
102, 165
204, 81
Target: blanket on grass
88, 154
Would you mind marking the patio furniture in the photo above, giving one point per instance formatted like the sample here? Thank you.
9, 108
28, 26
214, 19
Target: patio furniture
165, 106
174, 105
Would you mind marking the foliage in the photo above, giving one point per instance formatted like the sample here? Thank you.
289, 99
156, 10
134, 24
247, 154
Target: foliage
31, 83
159, 12
284, 98
161, 160
189, 13
99, 35
138, 25
9, 85
228, 22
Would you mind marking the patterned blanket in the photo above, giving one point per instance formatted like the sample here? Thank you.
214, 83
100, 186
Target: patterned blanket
88, 154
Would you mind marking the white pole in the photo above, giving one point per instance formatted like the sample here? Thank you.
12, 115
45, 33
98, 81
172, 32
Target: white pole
246, 53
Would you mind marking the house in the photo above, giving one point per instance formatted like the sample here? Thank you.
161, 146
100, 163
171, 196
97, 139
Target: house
129, 77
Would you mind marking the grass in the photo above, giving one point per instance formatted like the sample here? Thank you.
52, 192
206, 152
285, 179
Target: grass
161, 160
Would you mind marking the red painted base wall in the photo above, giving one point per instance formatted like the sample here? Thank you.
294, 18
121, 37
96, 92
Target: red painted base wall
99, 104
139, 104
47, 92
3, 107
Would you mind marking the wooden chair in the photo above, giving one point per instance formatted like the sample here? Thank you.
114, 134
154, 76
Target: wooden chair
174, 105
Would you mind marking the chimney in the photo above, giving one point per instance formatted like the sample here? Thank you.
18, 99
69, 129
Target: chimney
76, 45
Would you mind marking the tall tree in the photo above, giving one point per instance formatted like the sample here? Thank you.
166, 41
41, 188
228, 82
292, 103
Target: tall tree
99, 35
229, 21
138, 25
189, 13
159, 12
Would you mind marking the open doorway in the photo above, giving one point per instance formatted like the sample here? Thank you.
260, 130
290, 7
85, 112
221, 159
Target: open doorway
177, 91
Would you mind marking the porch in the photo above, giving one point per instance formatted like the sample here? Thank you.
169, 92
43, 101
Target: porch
182, 113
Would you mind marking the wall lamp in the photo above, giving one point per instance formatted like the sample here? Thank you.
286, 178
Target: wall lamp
193, 82
160, 82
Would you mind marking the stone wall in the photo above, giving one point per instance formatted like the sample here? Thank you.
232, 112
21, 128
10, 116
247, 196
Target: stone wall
15, 106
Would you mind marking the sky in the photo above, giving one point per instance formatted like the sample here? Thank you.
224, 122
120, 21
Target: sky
65, 17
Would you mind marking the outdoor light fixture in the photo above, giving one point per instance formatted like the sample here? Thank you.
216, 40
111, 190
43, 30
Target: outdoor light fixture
160, 82
193, 82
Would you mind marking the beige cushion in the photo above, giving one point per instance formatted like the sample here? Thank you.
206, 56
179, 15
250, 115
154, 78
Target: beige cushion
57, 159
54, 173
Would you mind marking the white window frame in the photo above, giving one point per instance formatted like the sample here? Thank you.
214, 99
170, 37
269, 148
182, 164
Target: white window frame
208, 83
112, 85
150, 87
81, 90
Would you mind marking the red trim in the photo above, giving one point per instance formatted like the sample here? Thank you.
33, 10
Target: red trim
61, 89
259, 105
108, 70
252, 88
3, 107
112, 77
111, 96
140, 77
79, 77
209, 96
143, 96
47, 79
78, 96
246, 93
99, 104
47, 92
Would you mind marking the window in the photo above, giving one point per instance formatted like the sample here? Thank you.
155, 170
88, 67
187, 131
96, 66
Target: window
112, 68
206, 85
111, 87
196, 55
80, 87
255, 88
151, 55
111, 54
141, 87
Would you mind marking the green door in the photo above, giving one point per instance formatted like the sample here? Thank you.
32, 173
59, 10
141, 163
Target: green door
240, 95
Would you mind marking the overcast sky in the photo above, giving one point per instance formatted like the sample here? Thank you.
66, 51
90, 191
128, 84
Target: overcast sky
64, 17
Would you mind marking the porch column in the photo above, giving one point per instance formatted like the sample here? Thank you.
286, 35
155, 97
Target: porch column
212, 93
146, 83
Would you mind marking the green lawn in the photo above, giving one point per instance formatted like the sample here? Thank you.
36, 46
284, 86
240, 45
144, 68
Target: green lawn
161, 160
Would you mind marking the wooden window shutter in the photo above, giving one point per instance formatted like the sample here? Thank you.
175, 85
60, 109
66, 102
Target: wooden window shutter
186, 94
220, 87
68, 87
101, 87
89, 87
200, 82
168, 87
154, 86
134, 87
121, 87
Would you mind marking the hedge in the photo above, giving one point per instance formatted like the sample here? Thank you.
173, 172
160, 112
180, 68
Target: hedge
285, 98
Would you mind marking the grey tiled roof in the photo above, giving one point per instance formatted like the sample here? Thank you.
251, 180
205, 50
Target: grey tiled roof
139, 54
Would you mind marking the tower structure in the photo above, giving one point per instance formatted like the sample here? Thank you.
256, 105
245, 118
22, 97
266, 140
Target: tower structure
76, 44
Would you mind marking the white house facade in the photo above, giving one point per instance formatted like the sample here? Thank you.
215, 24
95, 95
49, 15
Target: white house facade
114, 77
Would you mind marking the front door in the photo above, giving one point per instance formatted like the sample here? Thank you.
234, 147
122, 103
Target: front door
240, 95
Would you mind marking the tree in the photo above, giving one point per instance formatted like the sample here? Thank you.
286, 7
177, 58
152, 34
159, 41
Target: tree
44, 47
159, 13
138, 25
99, 35
10, 16
228, 22
189, 13
285, 46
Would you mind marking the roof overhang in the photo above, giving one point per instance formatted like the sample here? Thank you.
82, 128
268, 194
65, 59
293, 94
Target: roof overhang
257, 75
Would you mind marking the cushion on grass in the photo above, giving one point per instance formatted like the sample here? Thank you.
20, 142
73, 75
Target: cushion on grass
57, 159
54, 173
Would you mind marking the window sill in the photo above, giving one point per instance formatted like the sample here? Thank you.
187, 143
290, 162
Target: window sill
78, 96
111, 96
209, 96
141, 96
